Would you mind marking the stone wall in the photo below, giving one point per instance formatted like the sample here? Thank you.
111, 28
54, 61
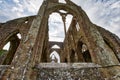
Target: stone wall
2, 70
75, 71
8, 33
63, 71
20, 25
101, 45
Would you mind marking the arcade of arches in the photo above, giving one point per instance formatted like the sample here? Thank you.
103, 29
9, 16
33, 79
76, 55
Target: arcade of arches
84, 42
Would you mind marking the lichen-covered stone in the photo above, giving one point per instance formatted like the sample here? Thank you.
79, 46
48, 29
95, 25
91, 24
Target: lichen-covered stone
69, 74
84, 42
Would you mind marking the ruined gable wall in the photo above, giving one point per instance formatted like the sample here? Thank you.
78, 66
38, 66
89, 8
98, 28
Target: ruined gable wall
14, 26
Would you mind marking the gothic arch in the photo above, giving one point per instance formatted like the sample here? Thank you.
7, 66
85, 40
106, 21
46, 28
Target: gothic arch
86, 53
7, 36
56, 57
71, 9
79, 51
30, 51
83, 52
83, 21
14, 43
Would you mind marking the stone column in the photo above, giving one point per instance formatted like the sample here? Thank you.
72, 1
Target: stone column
22, 64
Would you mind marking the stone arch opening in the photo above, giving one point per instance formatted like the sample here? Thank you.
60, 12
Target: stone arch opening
59, 23
77, 27
54, 57
19, 36
68, 10
83, 52
69, 18
79, 51
63, 9
62, 1
4, 51
6, 46
56, 46
86, 53
56, 29
13, 42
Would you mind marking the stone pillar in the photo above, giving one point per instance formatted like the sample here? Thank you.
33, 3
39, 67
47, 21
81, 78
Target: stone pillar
64, 20
23, 61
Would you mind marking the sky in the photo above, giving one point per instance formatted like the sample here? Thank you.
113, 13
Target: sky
105, 13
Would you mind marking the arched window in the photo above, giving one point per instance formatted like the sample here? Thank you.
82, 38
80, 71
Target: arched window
4, 52
62, 1
86, 53
11, 47
77, 27
56, 46
79, 51
56, 28
83, 52
54, 57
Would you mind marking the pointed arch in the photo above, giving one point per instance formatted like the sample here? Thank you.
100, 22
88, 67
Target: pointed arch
83, 52
14, 41
74, 11
86, 53
56, 46
55, 57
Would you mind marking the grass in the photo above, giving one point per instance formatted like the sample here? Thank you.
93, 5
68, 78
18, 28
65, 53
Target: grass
2, 52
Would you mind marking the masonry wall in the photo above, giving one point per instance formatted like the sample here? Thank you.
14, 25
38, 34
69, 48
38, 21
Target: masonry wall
63, 71
101, 46
8, 33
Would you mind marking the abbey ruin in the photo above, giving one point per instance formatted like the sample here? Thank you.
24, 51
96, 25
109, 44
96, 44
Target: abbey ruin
88, 51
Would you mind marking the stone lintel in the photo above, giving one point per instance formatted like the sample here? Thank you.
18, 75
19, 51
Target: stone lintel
67, 65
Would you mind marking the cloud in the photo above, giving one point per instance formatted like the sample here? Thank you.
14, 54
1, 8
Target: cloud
17, 9
32, 6
116, 5
1, 2
56, 29
104, 13
16, 1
